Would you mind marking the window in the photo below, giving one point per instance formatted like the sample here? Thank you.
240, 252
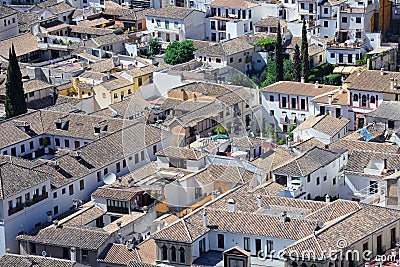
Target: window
105, 171
270, 246
358, 20
332, 55
136, 158
71, 189
355, 97
334, 181
64, 18
302, 5
167, 24
81, 184
142, 155
31, 145
358, 34
308, 178
66, 143
202, 246
27, 196
212, 25
350, 58
294, 102
218, 60
118, 166
311, 7
63, 191
85, 255
154, 149
246, 243
372, 101
124, 163
325, 178
55, 195
98, 174
344, 19
13, 20
140, 81
173, 254
221, 241
240, 60
326, 10
365, 246
77, 144
363, 100
115, 95
390, 124
164, 253
18, 202
13, 152
284, 102
326, 24
182, 254
272, 112
57, 141
158, 23
32, 248
55, 210
317, 180
231, 60
271, 98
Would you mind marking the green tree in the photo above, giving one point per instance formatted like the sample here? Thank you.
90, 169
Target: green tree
242, 80
15, 97
288, 70
305, 60
154, 47
266, 44
297, 63
179, 52
279, 55
269, 74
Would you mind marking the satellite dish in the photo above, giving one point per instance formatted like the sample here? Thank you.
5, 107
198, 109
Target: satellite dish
110, 178
44, 253
320, 225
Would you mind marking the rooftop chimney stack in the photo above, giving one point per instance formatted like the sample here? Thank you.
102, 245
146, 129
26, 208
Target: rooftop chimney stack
284, 217
391, 83
205, 219
49, 216
259, 201
316, 85
395, 83
327, 198
382, 71
330, 99
302, 80
231, 205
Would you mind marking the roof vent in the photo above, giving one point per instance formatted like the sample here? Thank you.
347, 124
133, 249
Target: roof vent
382, 71
284, 217
231, 205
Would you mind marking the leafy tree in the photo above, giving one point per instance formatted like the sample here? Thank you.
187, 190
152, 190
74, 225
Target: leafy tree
297, 64
154, 47
291, 129
269, 74
179, 52
266, 43
279, 55
271, 132
332, 79
15, 97
288, 70
305, 60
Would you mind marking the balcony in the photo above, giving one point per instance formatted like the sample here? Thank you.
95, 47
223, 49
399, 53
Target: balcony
222, 27
11, 211
36, 199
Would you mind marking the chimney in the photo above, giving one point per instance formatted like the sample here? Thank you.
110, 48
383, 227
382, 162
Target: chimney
130, 182
33, 154
75, 82
49, 215
120, 238
385, 164
395, 83
330, 99
316, 85
55, 223
231, 205
205, 219
359, 72
382, 71
327, 198
341, 90
259, 201
284, 217
73, 254
302, 80
108, 75
391, 83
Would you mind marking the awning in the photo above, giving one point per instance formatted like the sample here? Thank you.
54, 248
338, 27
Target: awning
345, 70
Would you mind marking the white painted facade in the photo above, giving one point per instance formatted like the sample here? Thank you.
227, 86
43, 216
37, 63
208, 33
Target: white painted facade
320, 136
8, 27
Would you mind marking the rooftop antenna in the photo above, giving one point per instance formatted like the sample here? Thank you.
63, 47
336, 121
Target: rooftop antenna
110, 178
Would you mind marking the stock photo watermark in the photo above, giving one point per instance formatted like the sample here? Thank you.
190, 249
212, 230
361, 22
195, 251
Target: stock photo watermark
338, 252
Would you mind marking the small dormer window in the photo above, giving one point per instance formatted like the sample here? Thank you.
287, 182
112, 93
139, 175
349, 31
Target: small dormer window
97, 129
58, 125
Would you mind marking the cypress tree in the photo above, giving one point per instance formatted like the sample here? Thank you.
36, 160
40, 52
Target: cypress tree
297, 63
15, 97
279, 55
305, 60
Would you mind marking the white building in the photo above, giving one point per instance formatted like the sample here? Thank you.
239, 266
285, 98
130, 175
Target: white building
8, 22
176, 23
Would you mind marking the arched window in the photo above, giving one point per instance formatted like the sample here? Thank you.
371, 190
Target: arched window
173, 254
355, 97
364, 101
164, 253
182, 255
372, 99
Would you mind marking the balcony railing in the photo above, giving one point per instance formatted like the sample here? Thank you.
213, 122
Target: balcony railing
27, 203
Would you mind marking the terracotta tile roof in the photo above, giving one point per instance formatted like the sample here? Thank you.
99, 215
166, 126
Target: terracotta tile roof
270, 22
334, 210
297, 88
172, 12
308, 144
13, 260
181, 153
275, 158
389, 110
307, 163
89, 30
23, 44
351, 228
6, 11
11, 172
167, 219
68, 236
60, 7
247, 142
234, 3
352, 145
359, 160
268, 189
326, 124
338, 98
226, 47
139, 264
84, 216
118, 254
314, 49
224, 173
372, 81
147, 251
